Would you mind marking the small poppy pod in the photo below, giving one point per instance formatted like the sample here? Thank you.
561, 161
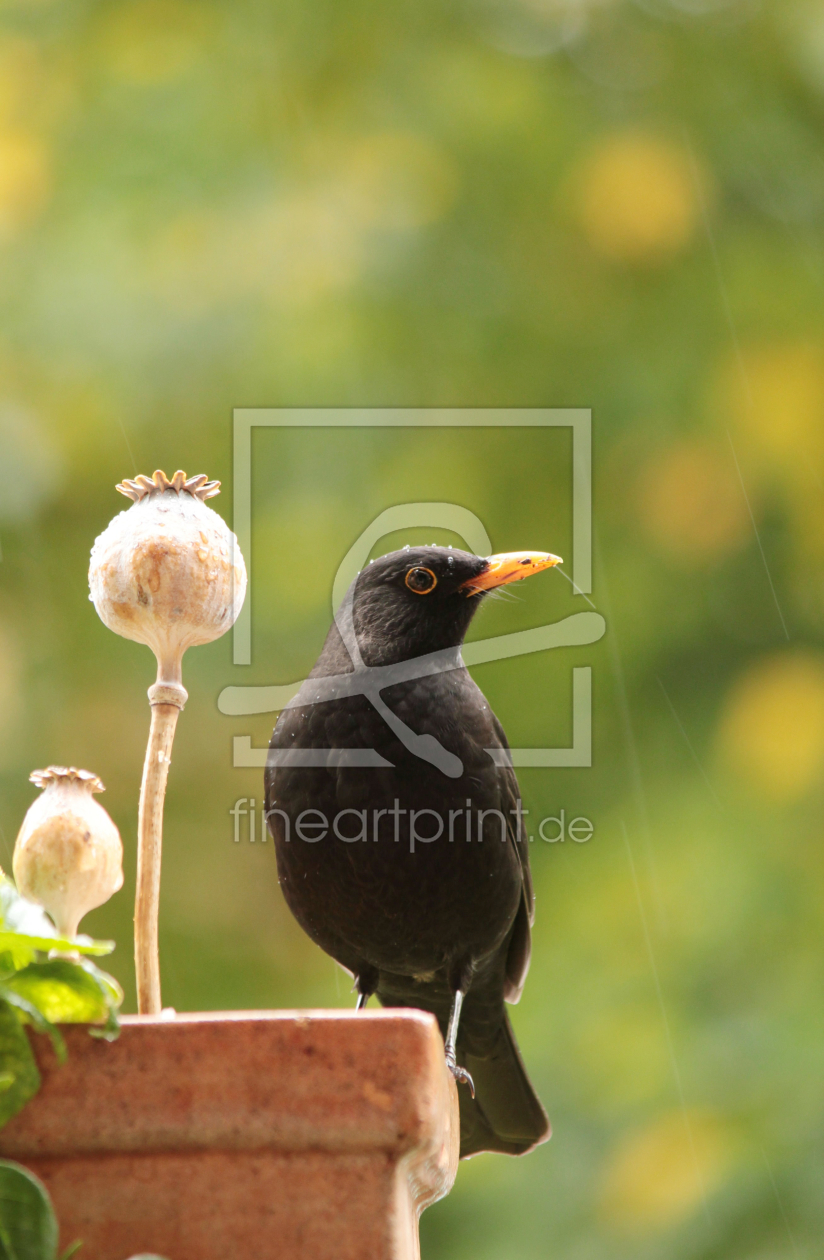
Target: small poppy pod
68, 857
168, 572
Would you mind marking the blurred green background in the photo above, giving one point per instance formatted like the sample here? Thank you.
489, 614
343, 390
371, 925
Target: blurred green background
490, 203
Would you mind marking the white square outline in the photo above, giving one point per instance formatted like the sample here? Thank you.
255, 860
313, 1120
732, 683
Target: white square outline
579, 419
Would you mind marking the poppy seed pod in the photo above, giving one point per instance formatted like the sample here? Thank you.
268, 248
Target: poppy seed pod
68, 856
168, 571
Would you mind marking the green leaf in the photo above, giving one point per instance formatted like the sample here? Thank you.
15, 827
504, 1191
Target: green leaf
28, 1228
9, 963
17, 1061
112, 995
24, 947
109, 986
63, 992
29, 1014
72, 1249
26, 928
110, 1030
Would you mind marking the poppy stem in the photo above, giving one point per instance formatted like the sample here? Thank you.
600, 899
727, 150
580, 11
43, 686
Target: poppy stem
166, 699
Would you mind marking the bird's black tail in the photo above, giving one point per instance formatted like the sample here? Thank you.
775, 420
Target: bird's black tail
506, 1114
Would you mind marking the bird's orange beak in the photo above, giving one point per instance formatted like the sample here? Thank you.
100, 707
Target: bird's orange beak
509, 566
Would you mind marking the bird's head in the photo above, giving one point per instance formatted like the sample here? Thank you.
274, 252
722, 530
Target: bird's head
422, 599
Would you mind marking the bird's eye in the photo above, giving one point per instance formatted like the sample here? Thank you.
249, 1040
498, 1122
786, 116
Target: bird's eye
421, 581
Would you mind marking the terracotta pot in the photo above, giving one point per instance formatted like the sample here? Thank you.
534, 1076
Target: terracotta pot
245, 1136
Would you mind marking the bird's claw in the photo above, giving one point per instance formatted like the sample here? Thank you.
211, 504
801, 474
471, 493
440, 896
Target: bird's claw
460, 1074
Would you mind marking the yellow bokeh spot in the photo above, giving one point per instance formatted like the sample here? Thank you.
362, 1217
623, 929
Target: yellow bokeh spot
295, 249
21, 77
637, 199
398, 181
660, 1175
24, 179
771, 732
304, 246
152, 41
691, 504
776, 400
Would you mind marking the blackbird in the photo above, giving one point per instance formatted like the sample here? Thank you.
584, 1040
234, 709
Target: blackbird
397, 823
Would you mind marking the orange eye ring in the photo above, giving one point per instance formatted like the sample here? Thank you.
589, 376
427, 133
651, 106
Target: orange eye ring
421, 581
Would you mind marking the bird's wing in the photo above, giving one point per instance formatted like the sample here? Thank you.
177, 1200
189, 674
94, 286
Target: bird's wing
520, 943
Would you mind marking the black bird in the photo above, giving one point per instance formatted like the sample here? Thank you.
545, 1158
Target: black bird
397, 823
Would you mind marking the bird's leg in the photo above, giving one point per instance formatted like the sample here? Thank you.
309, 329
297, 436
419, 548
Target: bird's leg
461, 1075
366, 982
